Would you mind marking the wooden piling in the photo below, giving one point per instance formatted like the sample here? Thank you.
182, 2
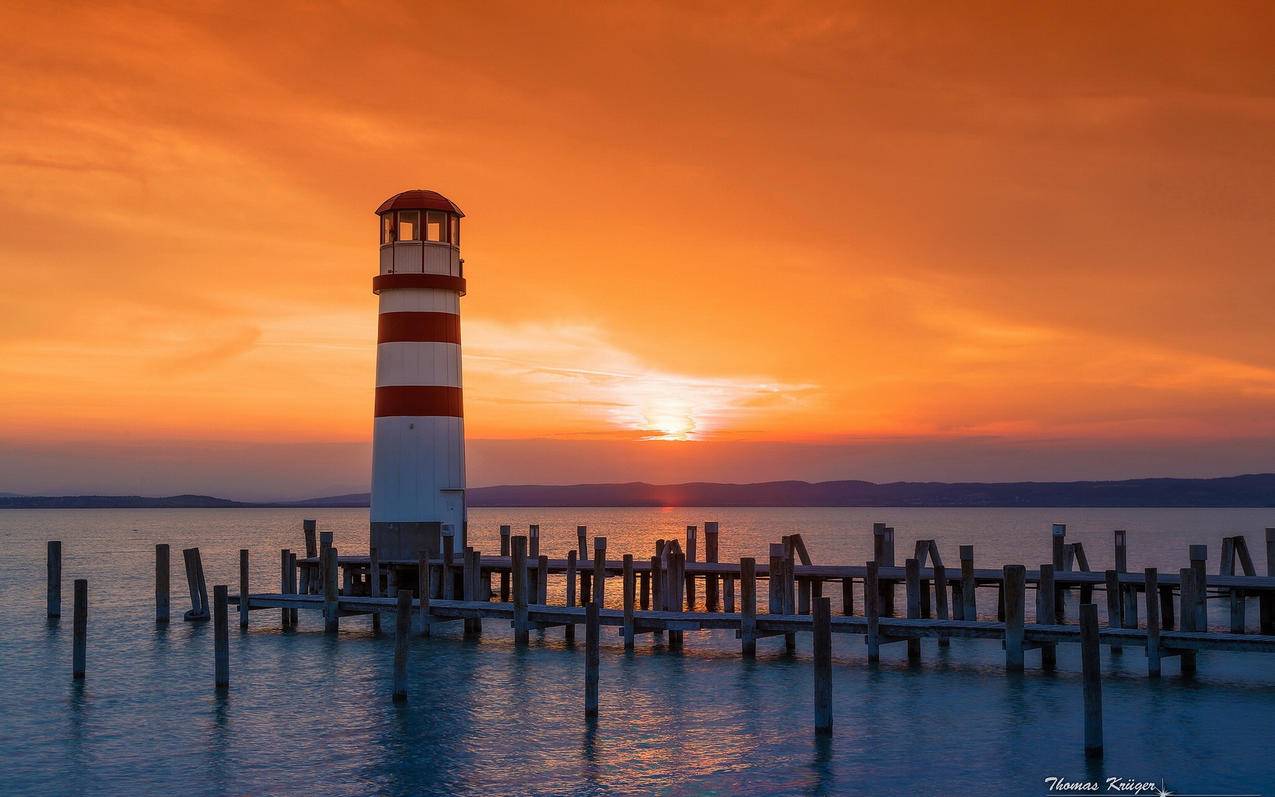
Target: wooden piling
710, 555
221, 638
692, 540
629, 590
162, 590
872, 610
285, 614
775, 582
748, 604
308, 528
883, 555
521, 635
374, 583
53, 587
542, 579
1091, 667
728, 594
586, 582
1015, 580
970, 605
1058, 538
243, 588
80, 629
644, 590
847, 596
197, 584
402, 629
292, 586
1186, 578
822, 641
504, 574
1114, 619
592, 641
422, 590
1151, 586
533, 540
331, 613
473, 575
1267, 601
569, 633
449, 571
599, 571
912, 570
940, 598
1199, 558
1045, 594
320, 576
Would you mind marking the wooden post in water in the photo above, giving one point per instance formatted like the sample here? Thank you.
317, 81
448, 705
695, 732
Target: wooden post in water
586, 583
320, 576
630, 588
1015, 579
592, 641
53, 590
80, 629
243, 588
1152, 585
311, 550
847, 596
1045, 594
292, 586
533, 540
748, 598
504, 575
1267, 601
331, 609
775, 580
542, 579
284, 614
473, 568
728, 594
162, 590
402, 629
1186, 576
521, 635
822, 627
970, 605
883, 555
940, 599
1113, 608
449, 563
422, 589
569, 633
198, 585
1091, 667
710, 555
1199, 558
1129, 592
599, 571
1058, 536
872, 610
692, 540
912, 569
374, 583
221, 638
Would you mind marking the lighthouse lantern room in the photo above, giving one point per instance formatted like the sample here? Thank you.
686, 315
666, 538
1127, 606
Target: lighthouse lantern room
418, 438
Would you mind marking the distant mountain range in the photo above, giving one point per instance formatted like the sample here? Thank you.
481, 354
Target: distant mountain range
1256, 490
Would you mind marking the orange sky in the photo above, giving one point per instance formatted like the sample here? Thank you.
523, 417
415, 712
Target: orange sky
772, 223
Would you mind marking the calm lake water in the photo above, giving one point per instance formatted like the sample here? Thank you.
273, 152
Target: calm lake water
308, 713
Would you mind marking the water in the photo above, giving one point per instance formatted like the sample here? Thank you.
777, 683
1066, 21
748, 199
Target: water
309, 713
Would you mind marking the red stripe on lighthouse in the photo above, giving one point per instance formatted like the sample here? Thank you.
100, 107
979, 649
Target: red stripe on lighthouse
418, 327
418, 400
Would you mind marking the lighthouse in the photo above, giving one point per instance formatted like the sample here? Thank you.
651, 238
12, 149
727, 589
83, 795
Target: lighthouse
418, 436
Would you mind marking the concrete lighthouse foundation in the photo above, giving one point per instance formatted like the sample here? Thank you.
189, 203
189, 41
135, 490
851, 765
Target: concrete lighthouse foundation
418, 438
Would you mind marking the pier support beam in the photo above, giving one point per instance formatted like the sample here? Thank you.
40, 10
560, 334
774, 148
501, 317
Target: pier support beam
748, 606
162, 591
822, 624
521, 634
1091, 667
221, 638
331, 612
80, 629
1267, 601
1015, 611
969, 597
629, 590
1045, 594
422, 590
1153, 623
1113, 608
53, 585
592, 641
402, 629
243, 587
872, 608
912, 570
504, 575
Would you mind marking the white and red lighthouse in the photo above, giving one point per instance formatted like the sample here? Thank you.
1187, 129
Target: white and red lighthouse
418, 441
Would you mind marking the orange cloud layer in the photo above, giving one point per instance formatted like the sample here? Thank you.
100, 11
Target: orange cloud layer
718, 222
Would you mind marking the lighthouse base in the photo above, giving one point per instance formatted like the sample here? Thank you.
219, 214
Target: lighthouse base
405, 541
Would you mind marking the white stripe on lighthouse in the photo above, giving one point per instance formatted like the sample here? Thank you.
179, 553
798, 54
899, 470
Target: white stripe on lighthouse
418, 363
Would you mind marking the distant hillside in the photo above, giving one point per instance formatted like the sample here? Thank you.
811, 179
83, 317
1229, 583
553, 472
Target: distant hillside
1233, 491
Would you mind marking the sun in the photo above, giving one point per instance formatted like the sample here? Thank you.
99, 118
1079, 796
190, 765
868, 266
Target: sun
671, 426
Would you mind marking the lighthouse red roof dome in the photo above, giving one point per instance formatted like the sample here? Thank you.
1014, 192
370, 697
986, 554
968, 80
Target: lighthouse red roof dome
419, 199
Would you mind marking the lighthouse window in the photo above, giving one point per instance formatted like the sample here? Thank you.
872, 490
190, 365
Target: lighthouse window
454, 233
387, 228
409, 225
435, 226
